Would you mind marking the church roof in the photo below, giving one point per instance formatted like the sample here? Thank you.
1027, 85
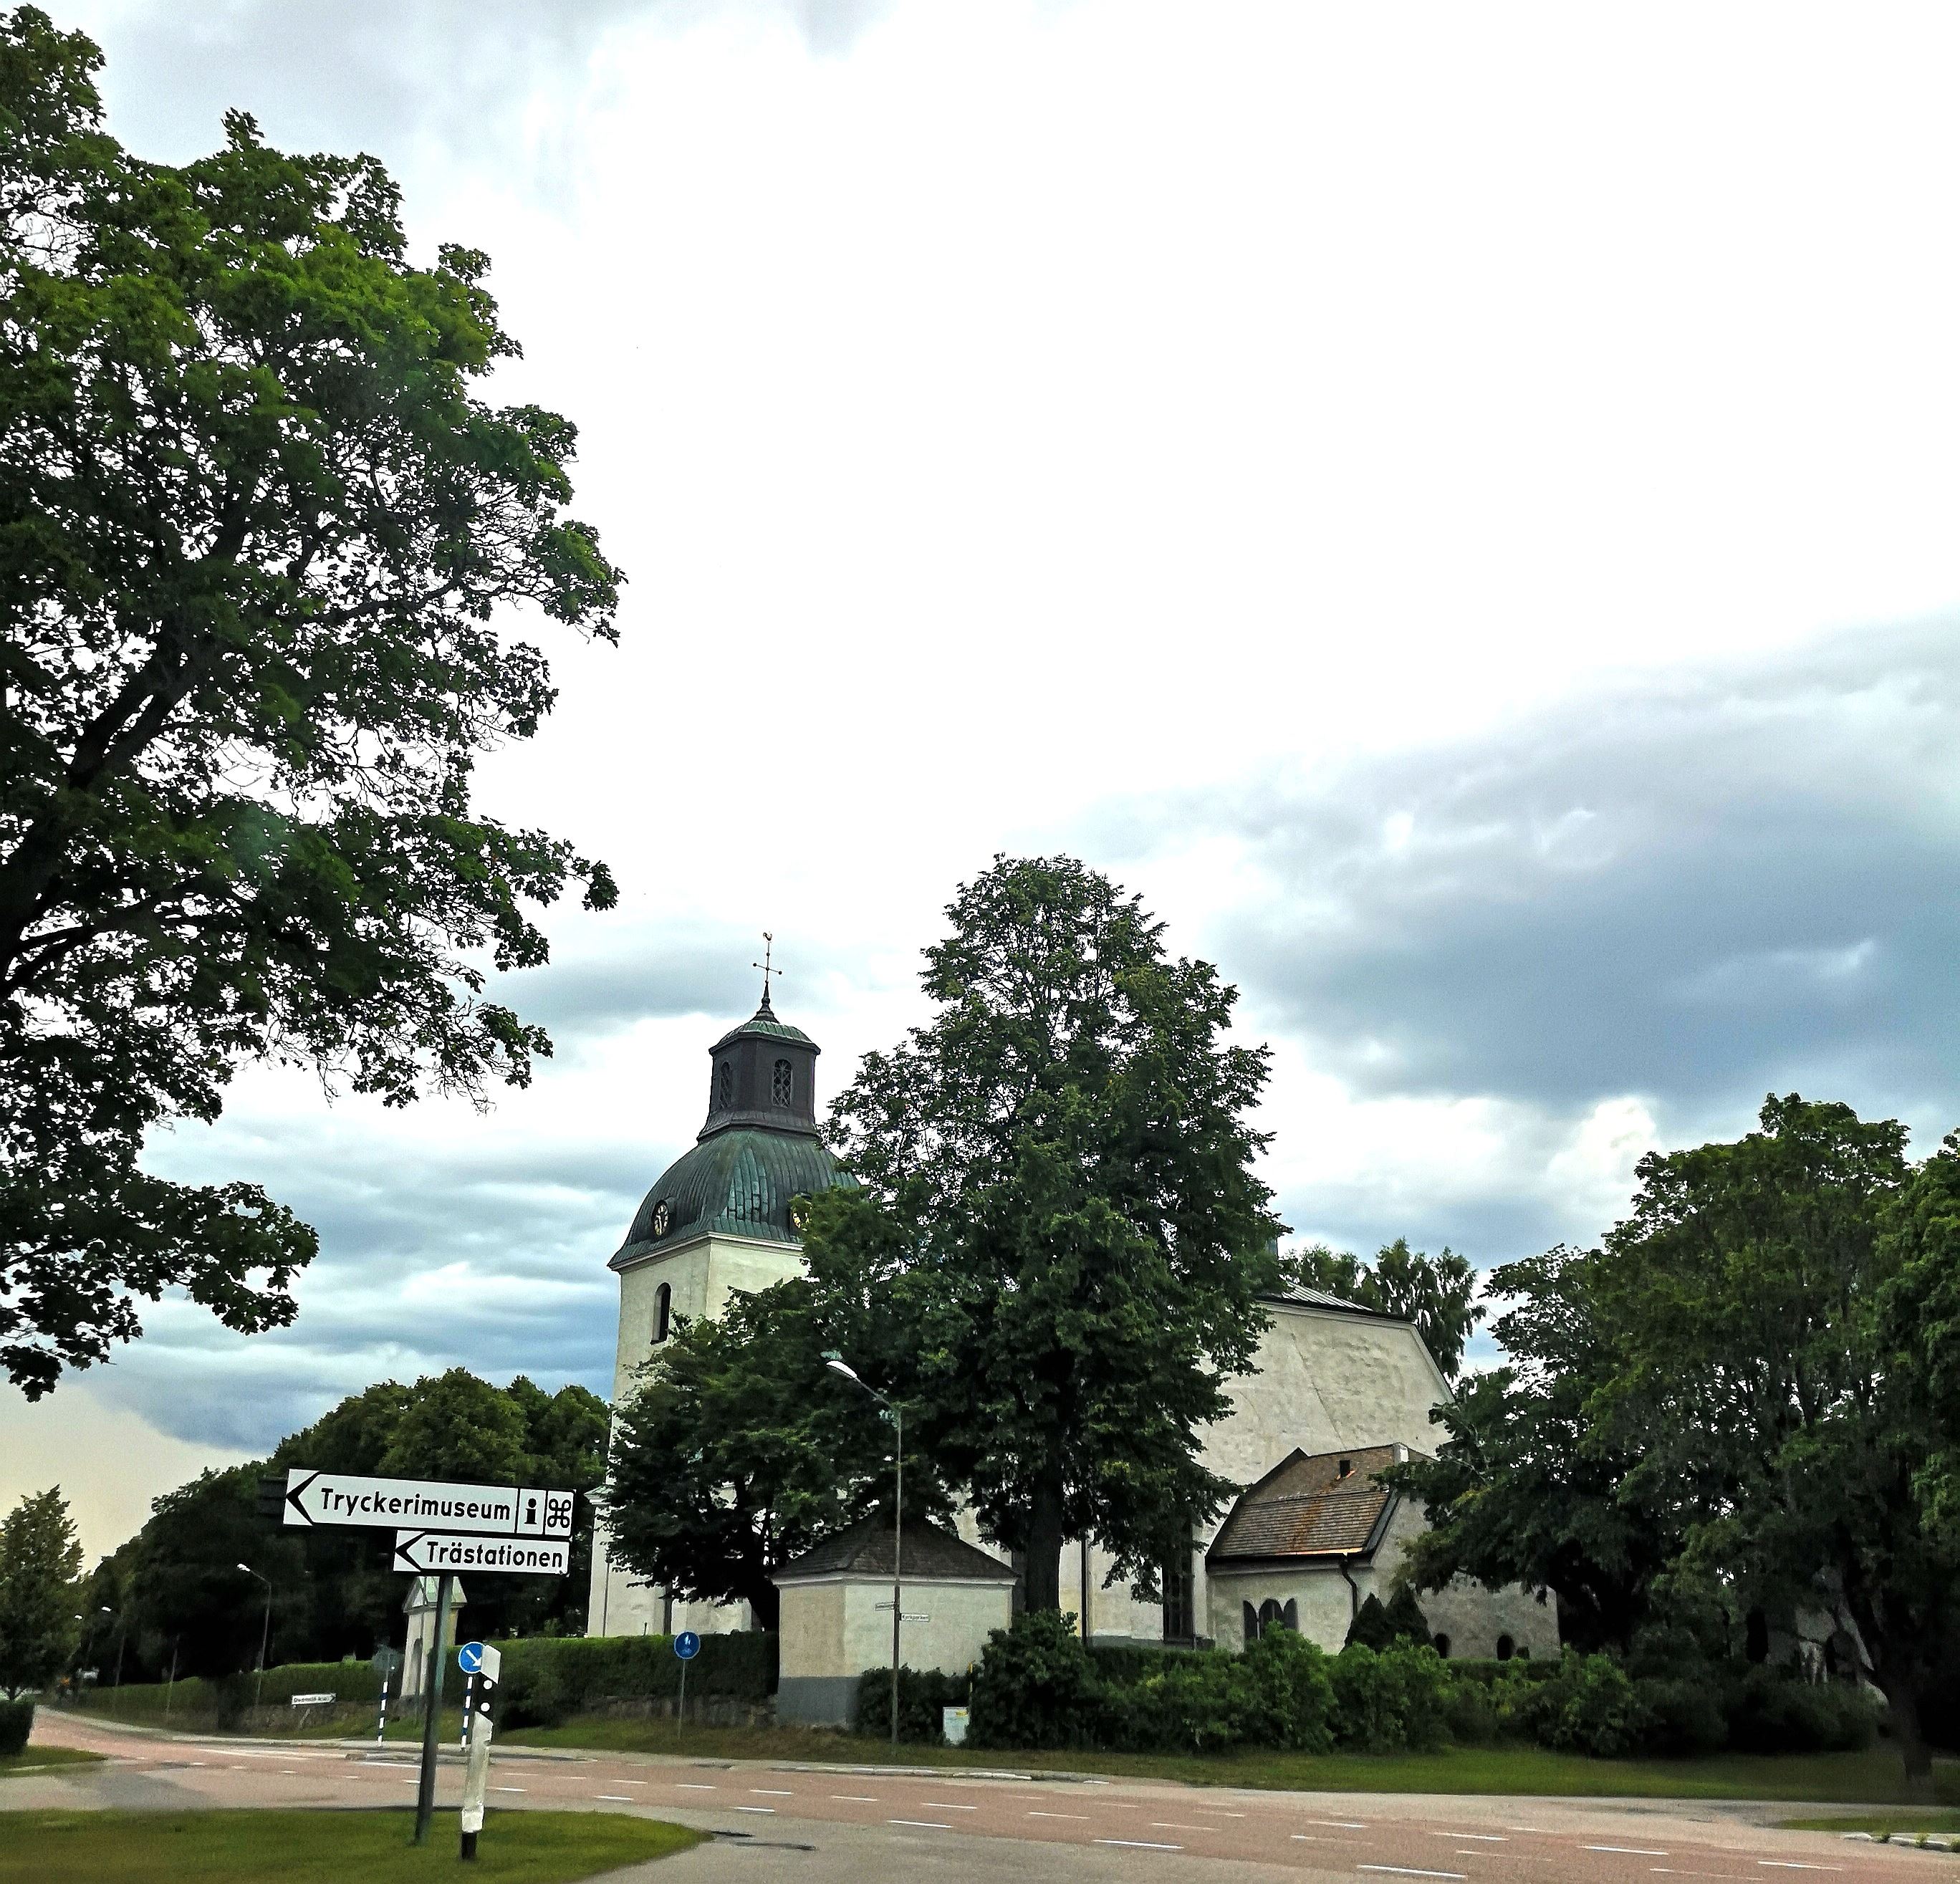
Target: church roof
1310, 1505
865, 1550
764, 1024
740, 1182
1319, 1298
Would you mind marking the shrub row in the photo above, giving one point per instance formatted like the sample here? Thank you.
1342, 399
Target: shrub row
1037, 1686
548, 1678
921, 1695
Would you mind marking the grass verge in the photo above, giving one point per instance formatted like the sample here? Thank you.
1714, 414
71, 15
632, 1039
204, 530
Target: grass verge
319, 1847
1901, 1823
37, 1758
1874, 1777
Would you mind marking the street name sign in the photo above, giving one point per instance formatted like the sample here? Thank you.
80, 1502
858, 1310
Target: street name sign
344, 1500
312, 1700
431, 1552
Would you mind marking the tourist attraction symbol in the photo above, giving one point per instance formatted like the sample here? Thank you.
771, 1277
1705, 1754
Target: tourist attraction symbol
341, 1499
687, 1645
426, 1552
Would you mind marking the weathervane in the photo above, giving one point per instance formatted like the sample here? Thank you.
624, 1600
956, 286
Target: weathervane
766, 964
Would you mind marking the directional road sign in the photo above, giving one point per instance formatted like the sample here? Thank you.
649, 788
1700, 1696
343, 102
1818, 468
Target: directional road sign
342, 1499
687, 1645
424, 1551
479, 1658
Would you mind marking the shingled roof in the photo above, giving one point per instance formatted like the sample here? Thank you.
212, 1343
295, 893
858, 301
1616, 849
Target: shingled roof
865, 1550
1306, 1507
1319, 1298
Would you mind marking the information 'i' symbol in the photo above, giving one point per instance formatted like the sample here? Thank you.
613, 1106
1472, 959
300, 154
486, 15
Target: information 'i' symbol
531, 1512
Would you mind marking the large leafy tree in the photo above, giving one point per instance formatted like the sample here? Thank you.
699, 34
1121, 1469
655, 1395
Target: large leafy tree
1745, 1300
1061, 1207
738, 1450
40, 1572
1438, 1293
258, 538
1520, 1488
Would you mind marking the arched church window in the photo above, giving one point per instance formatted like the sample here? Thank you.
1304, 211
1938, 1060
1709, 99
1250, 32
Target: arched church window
1274, 1614
663, 1312
784, 1081
1441, 1643
1506, 1648
724, 1085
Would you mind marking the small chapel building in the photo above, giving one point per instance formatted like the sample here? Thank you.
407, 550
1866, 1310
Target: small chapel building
1335, 1382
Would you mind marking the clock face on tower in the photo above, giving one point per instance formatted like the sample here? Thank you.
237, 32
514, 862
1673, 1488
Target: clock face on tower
662, 1219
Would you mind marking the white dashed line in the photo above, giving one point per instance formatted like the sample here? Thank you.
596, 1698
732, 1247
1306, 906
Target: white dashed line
1404, 1870
1627, 1851
506, 1789
1079, 1818
854, 1798
692, 1786
614, 1799
767, 1809
1668, 1870
920, 1825
1140, 1844
1218, 1812
1790, 1864
947, 1804
1171, 1825
1481, 1837
1339, 1824
772, 1792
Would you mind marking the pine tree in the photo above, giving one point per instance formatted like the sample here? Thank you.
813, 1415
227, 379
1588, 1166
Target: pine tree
40, 1567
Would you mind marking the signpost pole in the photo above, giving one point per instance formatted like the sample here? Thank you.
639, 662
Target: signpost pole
484, 1664
431, 1709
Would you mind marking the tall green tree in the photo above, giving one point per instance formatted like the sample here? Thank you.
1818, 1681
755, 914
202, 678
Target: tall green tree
1060, 1206
41, 1573
1520, 1487
259, 539
1438, 1293
1745, 1300
739, 1450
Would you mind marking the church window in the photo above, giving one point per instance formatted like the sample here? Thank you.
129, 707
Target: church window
785, 1081
1177, 1601
663, 1312
1506, 1648
1275, 1615
724, 1085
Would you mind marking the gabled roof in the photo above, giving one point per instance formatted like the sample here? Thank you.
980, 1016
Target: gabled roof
1306, 1508
865, 1550
1319, 1298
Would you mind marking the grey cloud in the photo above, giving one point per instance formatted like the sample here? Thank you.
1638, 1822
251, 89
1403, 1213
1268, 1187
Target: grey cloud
1695, 890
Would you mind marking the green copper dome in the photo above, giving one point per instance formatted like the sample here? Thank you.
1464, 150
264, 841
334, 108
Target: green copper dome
759, 1151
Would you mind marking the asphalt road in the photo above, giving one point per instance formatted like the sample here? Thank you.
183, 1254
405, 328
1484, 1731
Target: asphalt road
840, 1825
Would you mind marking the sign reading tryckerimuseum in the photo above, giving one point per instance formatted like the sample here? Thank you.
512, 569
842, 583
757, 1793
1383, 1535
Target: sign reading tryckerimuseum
426, 1552
338, 1499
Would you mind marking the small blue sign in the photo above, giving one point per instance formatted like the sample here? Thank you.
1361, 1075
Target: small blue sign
469, 1658
687, 1645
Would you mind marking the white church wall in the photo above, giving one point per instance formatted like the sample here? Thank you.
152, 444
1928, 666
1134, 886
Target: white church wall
1318, 1591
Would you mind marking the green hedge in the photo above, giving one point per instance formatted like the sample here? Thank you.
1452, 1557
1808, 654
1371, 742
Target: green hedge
921, 1695
548, 1678
17, 1722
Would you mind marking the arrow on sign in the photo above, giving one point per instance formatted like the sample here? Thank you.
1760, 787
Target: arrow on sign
341, 1499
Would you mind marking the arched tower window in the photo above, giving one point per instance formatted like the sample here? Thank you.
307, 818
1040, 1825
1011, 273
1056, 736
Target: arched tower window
663, 1312
724, 1085
785, 1082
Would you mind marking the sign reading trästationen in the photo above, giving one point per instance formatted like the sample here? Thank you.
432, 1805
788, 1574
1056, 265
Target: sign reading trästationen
342, 1499
426, 1552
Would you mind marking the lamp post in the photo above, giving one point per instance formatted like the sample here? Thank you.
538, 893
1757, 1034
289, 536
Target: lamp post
264, 1632
898, 1522
122, 1636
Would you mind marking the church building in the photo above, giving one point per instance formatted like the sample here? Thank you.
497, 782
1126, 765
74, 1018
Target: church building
1338, 1390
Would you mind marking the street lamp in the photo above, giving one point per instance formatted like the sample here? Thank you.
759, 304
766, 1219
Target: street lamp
898, 1521
264, 1632
122, 1636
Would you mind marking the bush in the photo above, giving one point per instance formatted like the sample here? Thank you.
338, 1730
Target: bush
1194, 1704
1684, 1716
1592, 1708
1288, 1696
548, 1678
1470, 1714
1035, 1687
1390, 1701
17, 1722
921, 1695
1770, 1711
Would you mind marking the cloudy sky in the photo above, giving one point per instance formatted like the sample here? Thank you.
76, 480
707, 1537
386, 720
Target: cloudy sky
1455, 505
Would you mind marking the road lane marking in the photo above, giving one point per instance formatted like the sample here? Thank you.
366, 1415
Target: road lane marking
1308, 1838
772, 1792
922, 1825
1140, 1844
1482, 1838
1790, 1864
506, 1789
1079, 1817
614, 1799
947, 1804
1171, 1825
692, 1786
767, 1809
1627, 1851
1668, 1870
854, 1799
1218, 1812
1339, 1824
1404, 1870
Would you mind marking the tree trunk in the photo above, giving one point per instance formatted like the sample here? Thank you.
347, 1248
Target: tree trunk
765, 1604
1902, 1700
1044, 1528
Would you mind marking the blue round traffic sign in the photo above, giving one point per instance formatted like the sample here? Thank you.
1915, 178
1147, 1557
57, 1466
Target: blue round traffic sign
687, 1645
469, 1658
